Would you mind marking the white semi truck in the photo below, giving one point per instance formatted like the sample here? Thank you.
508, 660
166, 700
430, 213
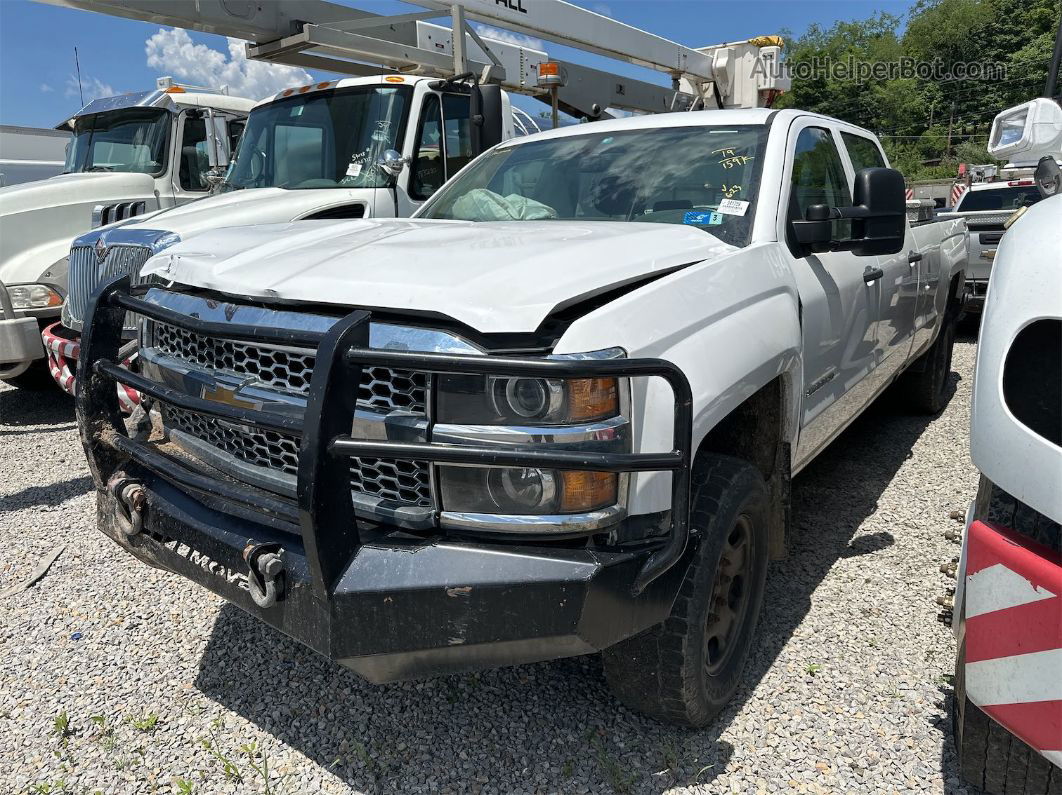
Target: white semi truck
556, 412
317, 151
127, 155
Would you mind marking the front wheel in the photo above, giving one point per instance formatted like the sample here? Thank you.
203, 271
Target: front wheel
686, 669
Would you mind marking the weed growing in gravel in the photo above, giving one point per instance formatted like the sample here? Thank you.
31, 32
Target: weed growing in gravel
813, 669
183, 786
619, 779
62, 729
145, 723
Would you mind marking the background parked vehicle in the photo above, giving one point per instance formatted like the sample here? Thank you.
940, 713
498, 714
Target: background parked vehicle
128, 155
30, 153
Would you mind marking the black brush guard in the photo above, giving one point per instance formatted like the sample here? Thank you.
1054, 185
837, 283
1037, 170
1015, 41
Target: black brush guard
384, 604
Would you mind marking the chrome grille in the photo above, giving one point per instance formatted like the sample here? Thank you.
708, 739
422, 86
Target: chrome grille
406, 482
87, 273
288, 369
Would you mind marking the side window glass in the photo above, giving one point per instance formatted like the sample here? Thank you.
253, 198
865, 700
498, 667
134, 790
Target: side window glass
428, 170
458, 132
863, 152
235, 131
818, 176
194, 157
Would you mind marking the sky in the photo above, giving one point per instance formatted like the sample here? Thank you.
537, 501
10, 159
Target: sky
39, 85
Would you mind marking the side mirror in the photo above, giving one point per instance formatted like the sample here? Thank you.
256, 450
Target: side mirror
878, 216
214, 177
391, 163
1048, 177
486, 115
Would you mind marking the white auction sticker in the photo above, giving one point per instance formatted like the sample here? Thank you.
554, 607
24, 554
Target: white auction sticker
733, 207
354, 169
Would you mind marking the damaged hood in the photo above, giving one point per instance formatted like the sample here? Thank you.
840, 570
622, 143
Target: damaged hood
493, 276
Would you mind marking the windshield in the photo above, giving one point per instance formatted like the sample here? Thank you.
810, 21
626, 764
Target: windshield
702, 176
327, 139
132, 140
1005, 198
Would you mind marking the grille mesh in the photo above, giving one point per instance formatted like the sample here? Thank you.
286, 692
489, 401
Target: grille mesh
400, 481
87, 273
289, 370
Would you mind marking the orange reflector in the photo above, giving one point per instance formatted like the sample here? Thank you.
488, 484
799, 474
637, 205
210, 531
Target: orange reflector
304, 89
394, 79
548, 69
585, 491
174, 90
287, 92
590, 398
323, 85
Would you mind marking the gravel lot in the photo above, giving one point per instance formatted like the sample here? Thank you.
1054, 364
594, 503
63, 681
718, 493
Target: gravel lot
167, 689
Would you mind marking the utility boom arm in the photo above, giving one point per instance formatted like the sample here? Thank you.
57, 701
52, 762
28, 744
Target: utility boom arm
323, 35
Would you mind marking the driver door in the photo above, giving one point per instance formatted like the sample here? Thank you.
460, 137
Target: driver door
839, 310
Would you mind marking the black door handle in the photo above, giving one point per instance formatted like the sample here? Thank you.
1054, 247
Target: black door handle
872, 275
913, 257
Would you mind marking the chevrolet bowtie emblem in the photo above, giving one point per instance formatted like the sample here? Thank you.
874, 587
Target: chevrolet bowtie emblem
101, 249
222, 393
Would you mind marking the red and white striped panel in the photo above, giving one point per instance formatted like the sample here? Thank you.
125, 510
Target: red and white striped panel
1013, 614
956, 193
909, 193
62, 364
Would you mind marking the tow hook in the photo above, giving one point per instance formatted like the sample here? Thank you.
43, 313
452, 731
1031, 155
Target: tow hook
131, 500
265, 572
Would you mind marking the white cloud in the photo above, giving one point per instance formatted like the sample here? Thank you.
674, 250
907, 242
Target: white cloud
603, 9
508, 37
46, 89
91, 87
174, 53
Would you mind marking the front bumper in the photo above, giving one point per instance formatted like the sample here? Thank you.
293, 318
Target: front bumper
404, 608
20, 341
383, 602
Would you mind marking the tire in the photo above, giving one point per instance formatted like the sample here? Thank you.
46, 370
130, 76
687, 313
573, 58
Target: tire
685, 670
990, 757
926, 390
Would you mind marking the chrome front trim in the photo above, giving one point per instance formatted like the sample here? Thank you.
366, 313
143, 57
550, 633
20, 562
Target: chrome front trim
527, 524
600, 435
382, 336
366, 506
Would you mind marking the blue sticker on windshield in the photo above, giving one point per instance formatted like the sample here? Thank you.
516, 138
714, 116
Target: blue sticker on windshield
700, 218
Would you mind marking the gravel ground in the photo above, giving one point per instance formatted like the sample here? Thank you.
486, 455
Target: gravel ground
164, 688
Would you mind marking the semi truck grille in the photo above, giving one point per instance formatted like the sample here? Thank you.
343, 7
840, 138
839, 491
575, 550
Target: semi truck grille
87, 273
287, 369
406, 482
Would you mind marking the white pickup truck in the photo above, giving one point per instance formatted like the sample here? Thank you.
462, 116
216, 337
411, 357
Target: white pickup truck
127, 155
556, 412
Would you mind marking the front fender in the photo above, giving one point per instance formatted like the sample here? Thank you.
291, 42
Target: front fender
732, 324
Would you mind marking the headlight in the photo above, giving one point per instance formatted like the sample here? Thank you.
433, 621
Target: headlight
545, 413
488, 400
33, 296
528, 491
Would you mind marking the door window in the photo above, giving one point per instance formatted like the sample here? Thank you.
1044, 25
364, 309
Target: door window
818, 178
863, 152
235, 131
195, 159
428, 168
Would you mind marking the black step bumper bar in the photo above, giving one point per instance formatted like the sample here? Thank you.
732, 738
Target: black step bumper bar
387, 605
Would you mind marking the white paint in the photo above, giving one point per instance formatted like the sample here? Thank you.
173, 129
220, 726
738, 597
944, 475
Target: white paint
1020, 679
997, 588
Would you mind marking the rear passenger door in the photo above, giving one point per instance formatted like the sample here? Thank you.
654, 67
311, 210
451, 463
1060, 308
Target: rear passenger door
897, 288
838, 308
